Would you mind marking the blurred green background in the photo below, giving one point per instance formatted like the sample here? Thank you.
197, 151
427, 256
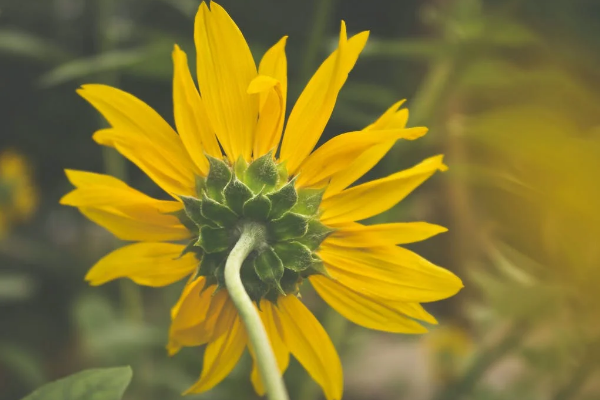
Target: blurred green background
510, 91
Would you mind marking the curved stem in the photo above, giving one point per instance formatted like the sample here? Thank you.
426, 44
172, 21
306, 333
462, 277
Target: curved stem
252, 236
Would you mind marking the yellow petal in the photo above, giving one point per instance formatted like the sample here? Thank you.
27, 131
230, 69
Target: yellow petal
220, 356
282, 354
363, 310
225, 69
391, 119
94, 190
191, 120
372, 198
271, 115
306, 339
272, 99
127, 213
137, 223
195, 316
314, 106
161, 165
192, 307
391, 272
128, 114
336, 154
413, 310
274, 64
149, 264
357, 235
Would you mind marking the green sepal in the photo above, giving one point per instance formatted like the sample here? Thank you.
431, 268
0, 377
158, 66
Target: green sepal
294, 255
220, 276
262, 174
290, 281
269, 268
240, 167
283, 200
185, 220
193, 209
213, 240
210, 280
200, 185
308, 201
290, 226
191, 247
272, 296
316, 268
315, 234
219, 175
236, 194
209, 266
218, 213
257, 208
253, 285
282, 172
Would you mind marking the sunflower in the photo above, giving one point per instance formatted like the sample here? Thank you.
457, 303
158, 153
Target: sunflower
230, 164
18, 194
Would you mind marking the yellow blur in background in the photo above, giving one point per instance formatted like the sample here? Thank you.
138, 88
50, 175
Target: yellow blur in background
510, 92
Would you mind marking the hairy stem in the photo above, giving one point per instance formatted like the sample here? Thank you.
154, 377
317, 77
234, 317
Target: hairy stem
252, 236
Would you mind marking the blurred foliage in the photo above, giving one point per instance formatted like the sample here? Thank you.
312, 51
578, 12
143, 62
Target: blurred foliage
510, 90
94, 384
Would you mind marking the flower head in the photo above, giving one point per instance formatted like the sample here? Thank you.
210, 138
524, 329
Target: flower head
18, 195
225, 167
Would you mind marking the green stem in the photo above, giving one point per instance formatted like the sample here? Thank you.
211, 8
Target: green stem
486, 359
431, 90
253, 235
114, 163
321, 17
578, 379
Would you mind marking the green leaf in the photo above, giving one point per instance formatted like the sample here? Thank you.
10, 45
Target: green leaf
92, 384
269, 268
84, 67
25, 44
257, 208
283, 200
218, 177
407, 48
236, 194
290, 226
294, 255
218, 213
315, 234
309, 201
213, 240
262, 174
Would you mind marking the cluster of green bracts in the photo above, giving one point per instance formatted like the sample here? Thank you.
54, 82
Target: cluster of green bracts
260, 193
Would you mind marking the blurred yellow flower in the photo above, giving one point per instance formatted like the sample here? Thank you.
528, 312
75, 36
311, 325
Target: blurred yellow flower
18, 195
448, 346
225, 168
